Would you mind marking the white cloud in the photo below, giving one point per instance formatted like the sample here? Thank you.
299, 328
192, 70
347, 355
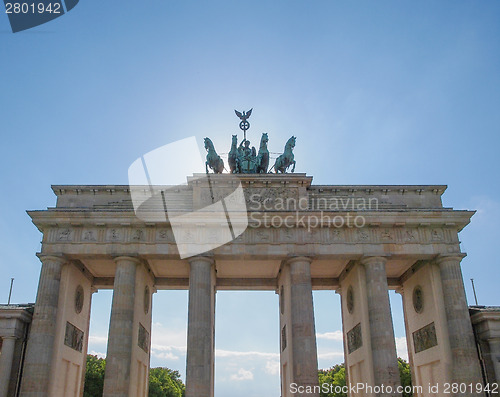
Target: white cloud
402, 348
164, 336
98, 339
229, 353
273, 367
330, 355
98, 354
336, 335
168, 352
242, 374
164, 355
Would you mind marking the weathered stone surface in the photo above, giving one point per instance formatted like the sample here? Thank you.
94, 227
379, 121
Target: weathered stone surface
465, 365
327, 229
39, 353
299, 358
201, 328
383, 346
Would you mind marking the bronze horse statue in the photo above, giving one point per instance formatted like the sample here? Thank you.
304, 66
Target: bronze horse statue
286, 159
214, 161
233, 156
263, 155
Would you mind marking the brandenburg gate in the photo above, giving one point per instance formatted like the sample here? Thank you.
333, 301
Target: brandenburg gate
293, 237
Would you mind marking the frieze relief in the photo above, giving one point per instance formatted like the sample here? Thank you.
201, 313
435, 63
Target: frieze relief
89, 235
425, 338
143, 338
409, 235
336, 235
138, 235
362, 235
387, 235
165, 235
64, 234
73, 337
114, 234
437, 235
287, 235
313, 235
354, 339
260, 235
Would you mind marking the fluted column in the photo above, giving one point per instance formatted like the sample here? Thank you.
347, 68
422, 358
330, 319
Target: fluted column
303, 342
201, 321
383, 344
465, 362
6, 358
38, 363
121, 325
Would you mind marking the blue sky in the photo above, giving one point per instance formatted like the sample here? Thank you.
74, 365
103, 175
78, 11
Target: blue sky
386, 92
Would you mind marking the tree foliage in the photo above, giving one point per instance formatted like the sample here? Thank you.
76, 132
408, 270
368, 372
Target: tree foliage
94, 376
163, 382
336, 377
405, 375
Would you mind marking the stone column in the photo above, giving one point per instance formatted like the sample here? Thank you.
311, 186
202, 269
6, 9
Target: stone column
303, 341
37, 370
201, 321
383, 345
465, 364
121, 325
6, 359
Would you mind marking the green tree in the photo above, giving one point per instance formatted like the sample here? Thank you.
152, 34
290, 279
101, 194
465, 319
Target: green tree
163, 382
336, 377
405, 376
94, 376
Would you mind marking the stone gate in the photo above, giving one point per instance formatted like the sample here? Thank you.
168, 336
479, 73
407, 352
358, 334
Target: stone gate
359, 241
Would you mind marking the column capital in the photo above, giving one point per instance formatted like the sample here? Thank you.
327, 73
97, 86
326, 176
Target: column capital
52, 258
201, 258
368, 260
293, 259
121, 258
452, 257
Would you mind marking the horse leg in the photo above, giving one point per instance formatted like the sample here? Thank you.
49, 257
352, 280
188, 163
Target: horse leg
206, 166
293, 168
277, 164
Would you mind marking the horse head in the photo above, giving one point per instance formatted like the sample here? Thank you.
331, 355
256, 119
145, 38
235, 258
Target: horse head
234, 141
208, 143
290, 144
264, 140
